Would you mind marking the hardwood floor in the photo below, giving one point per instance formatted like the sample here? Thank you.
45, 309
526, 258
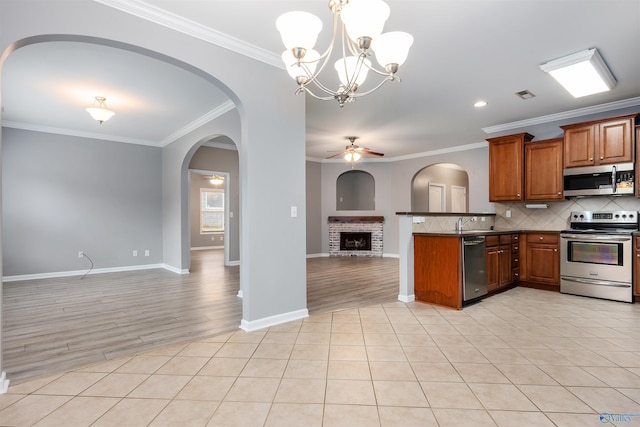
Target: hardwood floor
53, 325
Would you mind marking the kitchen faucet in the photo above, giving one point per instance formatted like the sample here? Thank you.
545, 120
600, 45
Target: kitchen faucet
461, 223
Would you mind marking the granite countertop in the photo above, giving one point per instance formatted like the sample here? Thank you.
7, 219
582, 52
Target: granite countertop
463, 233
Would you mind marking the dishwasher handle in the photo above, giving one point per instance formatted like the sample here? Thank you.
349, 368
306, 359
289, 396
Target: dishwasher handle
473, 242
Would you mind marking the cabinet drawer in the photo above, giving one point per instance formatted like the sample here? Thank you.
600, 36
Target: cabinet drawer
505, 239
542, 238
491, 241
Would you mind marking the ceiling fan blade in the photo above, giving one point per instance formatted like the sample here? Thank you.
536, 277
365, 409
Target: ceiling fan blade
373, 153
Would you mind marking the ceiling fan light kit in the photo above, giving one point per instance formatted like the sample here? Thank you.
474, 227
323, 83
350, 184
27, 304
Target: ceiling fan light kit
352, 153
99, 110
360, 23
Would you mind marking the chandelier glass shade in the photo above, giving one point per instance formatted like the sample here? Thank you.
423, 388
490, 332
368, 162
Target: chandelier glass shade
99, 110
360, 24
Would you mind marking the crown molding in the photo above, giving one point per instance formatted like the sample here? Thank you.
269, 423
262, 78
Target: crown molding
564, 115
81, 134
213, 114
170, 20
457, 148
200, 121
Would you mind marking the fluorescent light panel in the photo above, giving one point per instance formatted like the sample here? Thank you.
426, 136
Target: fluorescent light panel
582, 73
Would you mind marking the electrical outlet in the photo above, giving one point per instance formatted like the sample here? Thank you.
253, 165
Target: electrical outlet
507, 214
80, 254
135, 252
146, 252
474, 218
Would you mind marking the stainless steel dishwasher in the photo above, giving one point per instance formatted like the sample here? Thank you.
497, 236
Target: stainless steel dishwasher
474, 268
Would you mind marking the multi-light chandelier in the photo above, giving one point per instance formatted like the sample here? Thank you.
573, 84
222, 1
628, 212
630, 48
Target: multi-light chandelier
361, 27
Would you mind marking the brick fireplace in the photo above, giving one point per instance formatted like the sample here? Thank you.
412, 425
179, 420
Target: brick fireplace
358, 235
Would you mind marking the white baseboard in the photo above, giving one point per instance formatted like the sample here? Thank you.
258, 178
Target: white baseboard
320, 255
240, 294
266, 322
4, 383
234, 263
323, 254
175, 269
205, 248
406, 298
82, 272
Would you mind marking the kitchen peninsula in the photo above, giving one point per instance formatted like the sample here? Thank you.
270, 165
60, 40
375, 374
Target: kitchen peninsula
431, 268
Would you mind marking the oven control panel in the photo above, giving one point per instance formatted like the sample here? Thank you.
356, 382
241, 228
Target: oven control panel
609, 217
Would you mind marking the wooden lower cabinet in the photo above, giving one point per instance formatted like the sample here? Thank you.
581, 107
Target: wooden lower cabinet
502, 265
541, 259
437, 270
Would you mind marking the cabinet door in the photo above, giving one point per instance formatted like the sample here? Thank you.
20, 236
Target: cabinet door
615, 142
579, 145
493, 272
636, 266
506, 161
543, 170
505, 265
543, 262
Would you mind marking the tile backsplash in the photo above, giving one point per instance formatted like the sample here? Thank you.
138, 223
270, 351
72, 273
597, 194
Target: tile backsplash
553, 218
556, 216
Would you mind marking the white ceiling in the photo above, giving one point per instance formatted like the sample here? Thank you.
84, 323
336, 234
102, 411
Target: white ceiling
463, 51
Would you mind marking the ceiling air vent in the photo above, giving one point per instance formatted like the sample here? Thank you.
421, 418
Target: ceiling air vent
525, 94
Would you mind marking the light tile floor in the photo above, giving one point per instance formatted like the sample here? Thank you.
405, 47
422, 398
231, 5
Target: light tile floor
522, 358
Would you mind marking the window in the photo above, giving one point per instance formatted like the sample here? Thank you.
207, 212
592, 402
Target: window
211, 210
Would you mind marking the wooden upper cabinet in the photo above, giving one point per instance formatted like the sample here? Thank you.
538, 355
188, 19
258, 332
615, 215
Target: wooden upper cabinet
601, 142
506, 166
579, 144
543, 170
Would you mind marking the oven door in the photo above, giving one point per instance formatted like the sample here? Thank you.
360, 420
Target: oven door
597, 265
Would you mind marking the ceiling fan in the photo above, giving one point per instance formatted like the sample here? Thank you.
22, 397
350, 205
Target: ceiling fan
352, 152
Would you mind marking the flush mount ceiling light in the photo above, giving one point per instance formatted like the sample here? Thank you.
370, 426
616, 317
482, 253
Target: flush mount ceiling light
99, 110
582, 73
360, 23
480, 104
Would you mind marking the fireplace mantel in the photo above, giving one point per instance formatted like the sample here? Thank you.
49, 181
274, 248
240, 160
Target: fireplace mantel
355, 219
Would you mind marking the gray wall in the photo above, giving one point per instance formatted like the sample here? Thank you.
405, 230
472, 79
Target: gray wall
356, 190
64, 194
314, 207
440, 174
218, 160
393, 188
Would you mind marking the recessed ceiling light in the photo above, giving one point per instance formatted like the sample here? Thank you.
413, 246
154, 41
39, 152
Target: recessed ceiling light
582, 73
480, 104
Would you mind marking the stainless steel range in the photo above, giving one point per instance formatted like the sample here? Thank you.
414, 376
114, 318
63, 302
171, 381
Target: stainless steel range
596, 255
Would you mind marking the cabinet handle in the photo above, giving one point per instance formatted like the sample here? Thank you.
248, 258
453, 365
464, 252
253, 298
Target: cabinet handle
559, 193
590, 159
555, 250
515, 259
601, 157
516, 248
518, 194
541, 238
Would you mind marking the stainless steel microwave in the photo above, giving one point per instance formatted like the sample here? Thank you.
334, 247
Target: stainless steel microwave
607, 180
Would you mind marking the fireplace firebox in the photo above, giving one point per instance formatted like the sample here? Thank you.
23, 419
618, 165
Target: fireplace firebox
355, 241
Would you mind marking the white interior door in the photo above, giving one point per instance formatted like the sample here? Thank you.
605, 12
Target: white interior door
458, 199
437, 200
